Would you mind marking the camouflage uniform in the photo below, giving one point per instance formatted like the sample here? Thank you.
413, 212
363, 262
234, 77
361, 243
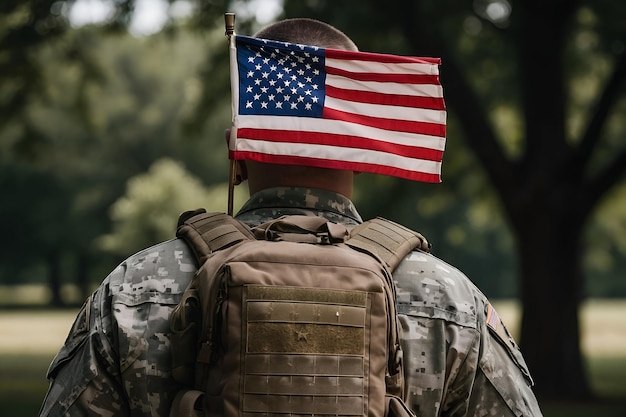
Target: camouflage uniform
459, 359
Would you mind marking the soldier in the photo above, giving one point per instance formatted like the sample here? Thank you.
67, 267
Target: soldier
459, 358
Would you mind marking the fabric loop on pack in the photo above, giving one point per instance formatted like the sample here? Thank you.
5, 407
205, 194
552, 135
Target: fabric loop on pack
306, 229
188, 403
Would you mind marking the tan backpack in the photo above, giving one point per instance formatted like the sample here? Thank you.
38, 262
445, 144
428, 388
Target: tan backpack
295, 317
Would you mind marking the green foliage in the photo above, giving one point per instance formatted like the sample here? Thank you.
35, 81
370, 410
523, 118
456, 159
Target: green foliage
147, 213
35, 207
102, 117
85, 110
24, 27
605, 259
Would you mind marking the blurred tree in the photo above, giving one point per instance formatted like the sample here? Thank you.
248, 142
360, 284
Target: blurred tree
95, 121
24, 27
36, 229
607, 241
147, 213
510, 73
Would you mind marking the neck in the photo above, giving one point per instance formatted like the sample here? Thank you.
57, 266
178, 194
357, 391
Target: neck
263, 176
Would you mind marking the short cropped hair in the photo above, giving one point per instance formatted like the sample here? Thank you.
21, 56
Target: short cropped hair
307, 32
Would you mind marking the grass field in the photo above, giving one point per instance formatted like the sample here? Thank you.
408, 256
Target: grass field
29, 340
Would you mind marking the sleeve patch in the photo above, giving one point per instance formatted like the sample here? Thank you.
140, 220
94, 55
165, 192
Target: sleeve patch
493, 319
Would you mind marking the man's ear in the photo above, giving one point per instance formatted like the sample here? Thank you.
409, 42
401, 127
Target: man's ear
241, 172
227, 136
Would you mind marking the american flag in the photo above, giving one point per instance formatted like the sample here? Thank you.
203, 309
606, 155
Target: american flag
305, 105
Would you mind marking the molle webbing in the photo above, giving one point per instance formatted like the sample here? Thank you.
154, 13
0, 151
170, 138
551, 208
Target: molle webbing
389, 240
210, 232
298, 328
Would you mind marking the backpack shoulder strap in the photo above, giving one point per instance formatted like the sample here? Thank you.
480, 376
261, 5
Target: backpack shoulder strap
209, 232
390, 241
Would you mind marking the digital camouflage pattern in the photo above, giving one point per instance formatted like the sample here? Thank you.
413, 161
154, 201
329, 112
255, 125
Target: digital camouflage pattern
280, 201
127, 317
459, 358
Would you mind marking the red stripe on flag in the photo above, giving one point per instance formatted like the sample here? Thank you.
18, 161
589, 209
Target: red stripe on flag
344, 141
424, 128
493, 319
385, 77
375, 57
333, 164
431, 103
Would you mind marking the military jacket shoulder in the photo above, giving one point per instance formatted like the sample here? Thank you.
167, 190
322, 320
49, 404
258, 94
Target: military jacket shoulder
118, 347
116, 360
157, 274
144, 291
429, 287
459, 357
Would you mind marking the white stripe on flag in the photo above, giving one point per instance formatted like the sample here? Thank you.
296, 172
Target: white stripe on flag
418, 90
381, 67
341, 128
338, 153
390, 112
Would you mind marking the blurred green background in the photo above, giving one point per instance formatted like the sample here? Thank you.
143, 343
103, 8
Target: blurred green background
111, 123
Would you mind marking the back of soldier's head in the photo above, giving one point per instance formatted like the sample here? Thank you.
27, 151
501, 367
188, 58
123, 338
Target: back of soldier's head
263, 175
307, 32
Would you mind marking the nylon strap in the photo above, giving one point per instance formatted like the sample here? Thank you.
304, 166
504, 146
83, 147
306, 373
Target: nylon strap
210, 232
389, 240
187, 403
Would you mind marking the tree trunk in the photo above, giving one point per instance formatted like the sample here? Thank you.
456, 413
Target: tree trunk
82, 270
54, 279
547, 220
552, 282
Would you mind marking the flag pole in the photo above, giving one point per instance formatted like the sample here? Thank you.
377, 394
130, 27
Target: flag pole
229, 24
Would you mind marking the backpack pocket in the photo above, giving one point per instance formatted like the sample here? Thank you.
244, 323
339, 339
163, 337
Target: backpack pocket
395, 407
184, 328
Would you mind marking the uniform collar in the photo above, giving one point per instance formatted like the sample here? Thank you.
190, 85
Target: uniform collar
274, 202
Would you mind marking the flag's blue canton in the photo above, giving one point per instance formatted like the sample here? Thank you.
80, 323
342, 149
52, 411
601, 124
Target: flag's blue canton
280, 79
